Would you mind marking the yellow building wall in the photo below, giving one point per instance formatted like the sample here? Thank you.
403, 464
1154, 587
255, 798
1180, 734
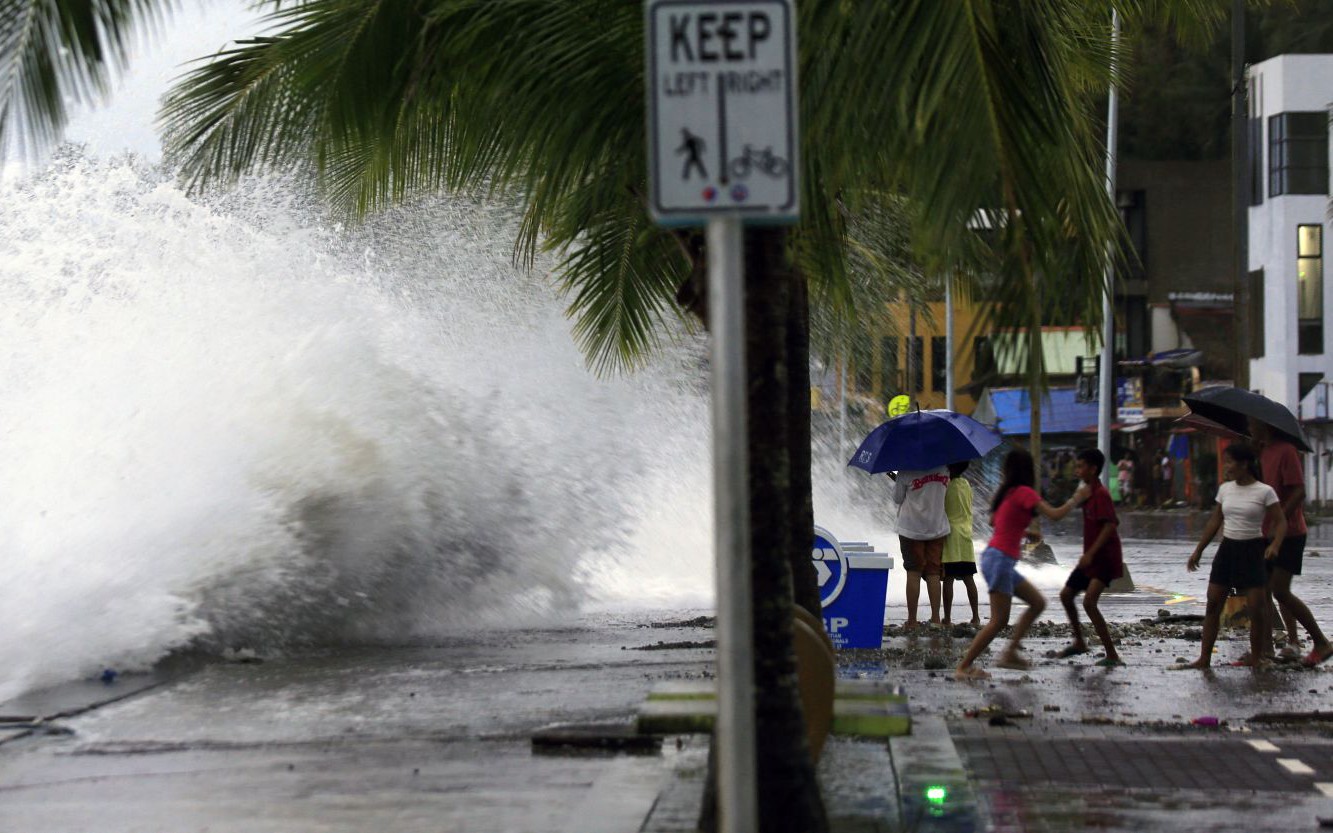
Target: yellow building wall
930, 325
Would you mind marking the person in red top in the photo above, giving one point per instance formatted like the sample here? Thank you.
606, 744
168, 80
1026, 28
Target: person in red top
1012, 510
1280, 464
1102, 561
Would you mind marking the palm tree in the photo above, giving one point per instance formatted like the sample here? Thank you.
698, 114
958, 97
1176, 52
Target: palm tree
954, 107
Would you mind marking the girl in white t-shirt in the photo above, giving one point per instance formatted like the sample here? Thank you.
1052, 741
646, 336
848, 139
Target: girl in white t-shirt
1242, 503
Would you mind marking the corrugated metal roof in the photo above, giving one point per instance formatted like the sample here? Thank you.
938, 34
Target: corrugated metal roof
1010, 410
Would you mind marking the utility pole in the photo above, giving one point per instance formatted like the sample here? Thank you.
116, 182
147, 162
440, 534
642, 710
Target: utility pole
948, 343
1107, 374
1240, 193
912, 357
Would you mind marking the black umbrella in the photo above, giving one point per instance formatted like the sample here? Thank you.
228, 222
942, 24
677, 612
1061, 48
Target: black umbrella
1232, 408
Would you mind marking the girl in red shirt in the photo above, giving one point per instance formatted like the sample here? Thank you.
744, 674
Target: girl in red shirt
1012, 510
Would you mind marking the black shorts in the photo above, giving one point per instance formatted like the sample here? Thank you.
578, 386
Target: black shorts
959, 569
1239, 564
1289, 555
1105, 569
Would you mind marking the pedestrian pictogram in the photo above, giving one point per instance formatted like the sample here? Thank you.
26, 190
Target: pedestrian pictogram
693, 148
722, 110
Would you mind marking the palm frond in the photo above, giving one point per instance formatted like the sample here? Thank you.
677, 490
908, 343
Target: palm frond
54, 52
951, 108
620, 276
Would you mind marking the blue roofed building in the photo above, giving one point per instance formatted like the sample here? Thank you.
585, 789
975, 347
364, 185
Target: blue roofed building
1010, 411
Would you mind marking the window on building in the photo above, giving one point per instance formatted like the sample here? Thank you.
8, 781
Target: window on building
864, 375
1256, 153
1310, 288
1298, 153
939, 363
983, 358
1305, 383
1257, 314
890, 384
918, 381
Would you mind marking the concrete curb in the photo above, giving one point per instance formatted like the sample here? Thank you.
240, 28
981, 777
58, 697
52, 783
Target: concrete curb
861, 708
934, 793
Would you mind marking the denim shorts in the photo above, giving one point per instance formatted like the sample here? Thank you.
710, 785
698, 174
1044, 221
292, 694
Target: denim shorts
1000, 571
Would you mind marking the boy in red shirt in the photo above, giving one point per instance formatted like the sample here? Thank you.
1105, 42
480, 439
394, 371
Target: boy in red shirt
1102, 561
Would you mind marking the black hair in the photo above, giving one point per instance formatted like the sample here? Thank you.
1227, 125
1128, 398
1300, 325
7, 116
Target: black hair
1094, 458
1017, 470
1245, 454
957, 469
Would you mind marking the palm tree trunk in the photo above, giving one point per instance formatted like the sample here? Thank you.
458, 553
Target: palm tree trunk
781, 526
780, 529
805, 582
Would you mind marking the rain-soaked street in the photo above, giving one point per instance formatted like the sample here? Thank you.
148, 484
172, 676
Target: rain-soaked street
438, 737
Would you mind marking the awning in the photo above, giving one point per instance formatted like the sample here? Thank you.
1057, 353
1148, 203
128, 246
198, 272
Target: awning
1193, 421
1184, 357
1010, 411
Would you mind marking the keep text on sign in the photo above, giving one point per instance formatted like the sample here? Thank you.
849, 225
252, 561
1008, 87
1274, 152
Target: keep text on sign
722, 133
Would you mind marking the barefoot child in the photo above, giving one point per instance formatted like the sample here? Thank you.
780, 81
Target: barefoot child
960, 560
1102, 561
1243, 504
1012, 510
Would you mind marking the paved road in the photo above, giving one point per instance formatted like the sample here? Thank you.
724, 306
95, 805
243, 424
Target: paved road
430, 739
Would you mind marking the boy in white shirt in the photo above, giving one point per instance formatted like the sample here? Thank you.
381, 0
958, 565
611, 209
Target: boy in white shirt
922, 528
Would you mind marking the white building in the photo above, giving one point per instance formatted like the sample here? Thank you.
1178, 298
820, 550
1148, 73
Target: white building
1291, 98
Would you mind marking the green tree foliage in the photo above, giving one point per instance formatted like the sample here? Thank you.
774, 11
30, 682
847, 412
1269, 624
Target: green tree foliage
1178, 99
55, 53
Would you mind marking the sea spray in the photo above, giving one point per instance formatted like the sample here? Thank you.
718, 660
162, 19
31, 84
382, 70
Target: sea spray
231, 422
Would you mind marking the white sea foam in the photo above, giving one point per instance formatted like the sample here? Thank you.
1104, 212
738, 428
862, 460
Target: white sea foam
231, 424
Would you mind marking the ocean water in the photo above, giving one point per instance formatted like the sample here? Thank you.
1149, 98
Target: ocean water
232, 422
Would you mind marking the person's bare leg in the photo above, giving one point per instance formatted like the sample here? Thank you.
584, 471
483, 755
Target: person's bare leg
999, 620
946, 592
1261, 633
970, 583
1067, 596
913, 596
1036, 603
1280, 585
1272, 618
1212, 617
1291, 625
1090, 599
933, 593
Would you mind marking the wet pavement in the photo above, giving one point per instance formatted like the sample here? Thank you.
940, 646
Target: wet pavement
431, 739
438, 737
1069, 746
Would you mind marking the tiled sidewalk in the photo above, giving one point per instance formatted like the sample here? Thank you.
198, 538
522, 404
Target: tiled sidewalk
1044, 778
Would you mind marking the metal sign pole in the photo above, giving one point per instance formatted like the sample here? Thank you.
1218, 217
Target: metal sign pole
735, 731
722, 146
1106, 380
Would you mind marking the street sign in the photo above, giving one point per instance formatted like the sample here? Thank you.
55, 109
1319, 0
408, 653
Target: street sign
722, 135
1129, 401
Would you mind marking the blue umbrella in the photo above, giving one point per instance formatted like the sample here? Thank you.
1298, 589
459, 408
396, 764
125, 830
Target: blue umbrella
923, 440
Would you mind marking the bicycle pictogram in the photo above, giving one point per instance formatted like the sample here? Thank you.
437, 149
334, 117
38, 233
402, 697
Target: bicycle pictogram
763, 160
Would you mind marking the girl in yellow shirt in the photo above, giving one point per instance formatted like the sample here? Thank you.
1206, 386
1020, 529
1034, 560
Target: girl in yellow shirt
960, 559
